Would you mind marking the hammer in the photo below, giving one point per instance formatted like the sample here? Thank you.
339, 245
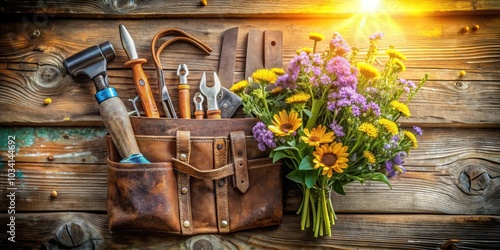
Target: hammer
91, 63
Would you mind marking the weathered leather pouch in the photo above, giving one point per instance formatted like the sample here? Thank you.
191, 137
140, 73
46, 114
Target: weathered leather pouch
205, 176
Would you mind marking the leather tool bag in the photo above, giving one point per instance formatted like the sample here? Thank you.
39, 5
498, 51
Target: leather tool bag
205, 176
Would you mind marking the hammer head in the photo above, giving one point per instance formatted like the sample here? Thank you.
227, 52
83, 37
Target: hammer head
91, 61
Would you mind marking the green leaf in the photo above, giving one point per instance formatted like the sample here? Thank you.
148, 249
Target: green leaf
338, 187
280, 148
306, 163
278, 156
297, 176
307, 112
377, 176
311, 178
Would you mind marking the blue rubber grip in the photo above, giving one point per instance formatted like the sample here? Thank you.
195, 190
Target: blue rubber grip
104, 94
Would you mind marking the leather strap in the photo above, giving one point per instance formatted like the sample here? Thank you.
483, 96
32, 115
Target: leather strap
183, 148
221, 185
180, 36
239, 151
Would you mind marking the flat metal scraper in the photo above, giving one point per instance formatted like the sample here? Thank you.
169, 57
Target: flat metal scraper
227, 101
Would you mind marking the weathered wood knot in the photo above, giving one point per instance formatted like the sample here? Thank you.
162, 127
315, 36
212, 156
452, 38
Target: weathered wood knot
205, 242
72, 234
473, 180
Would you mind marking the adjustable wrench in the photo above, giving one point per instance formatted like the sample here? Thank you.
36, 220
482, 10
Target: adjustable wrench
184, 104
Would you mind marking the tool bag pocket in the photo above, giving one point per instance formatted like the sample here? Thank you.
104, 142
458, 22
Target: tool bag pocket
206, 176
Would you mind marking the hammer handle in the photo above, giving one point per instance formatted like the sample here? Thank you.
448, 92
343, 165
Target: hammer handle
115, 117
142, 86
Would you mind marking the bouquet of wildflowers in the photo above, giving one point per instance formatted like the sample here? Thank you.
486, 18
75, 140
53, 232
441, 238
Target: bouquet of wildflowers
333, 120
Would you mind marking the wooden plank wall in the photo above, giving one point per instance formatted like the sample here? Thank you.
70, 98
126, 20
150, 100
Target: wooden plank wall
449, 198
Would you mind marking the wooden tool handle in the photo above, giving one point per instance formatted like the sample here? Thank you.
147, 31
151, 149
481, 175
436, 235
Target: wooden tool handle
115, 118
184, 104
213, 114
142, 86
199, 114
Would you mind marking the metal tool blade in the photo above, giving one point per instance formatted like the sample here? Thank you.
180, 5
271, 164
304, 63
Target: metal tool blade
227, 61
273, 49
128, 43
210, 92
255, 52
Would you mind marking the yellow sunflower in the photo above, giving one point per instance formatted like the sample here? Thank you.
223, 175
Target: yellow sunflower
395, 54
239, 86
369, 129
278, 71
391, 126
285, 124
264, 76
316, 36
401, 107
412, 138
368, 70
317, 136
369, 156
331, 158
298, 98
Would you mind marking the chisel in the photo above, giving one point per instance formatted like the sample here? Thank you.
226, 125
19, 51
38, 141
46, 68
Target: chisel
140, 80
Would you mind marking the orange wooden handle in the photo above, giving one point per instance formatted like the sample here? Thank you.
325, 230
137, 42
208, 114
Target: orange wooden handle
184, 104
142, 86
199, 114
213, 114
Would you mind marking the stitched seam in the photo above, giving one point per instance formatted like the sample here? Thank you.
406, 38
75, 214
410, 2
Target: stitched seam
139, 169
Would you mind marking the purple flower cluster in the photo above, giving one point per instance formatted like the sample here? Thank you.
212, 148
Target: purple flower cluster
303, 63
394, 166
407, 84
417, 130
345, 74
338, 45
377, 36
264, 137
337, 129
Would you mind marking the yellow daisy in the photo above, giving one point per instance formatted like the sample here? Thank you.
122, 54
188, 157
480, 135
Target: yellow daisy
369, 129
368, 70
400, 64
316, 36
285, 124
278, 71
395, 54
239, 86
308, 50
412, 138
401, 107
317, 136
391, 126
369, 156
298, 98
264, 76
331, 158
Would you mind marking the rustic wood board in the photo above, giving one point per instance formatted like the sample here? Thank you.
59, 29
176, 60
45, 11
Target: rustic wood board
231, 8
31, 67
352, 231
434, 182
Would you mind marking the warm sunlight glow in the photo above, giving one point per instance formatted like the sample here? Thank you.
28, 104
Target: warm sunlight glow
370, 5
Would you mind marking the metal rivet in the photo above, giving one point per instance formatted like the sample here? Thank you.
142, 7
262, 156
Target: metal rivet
224, 223
219, 146
222, 183
186, 223
184, 190
239, 154
183, 157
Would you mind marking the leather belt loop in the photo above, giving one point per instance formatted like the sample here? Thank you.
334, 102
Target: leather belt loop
221, 186
183, 147
239, 152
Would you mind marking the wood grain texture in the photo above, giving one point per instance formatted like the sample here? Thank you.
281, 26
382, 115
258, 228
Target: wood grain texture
32, 67
352, 231
229, 8
432, 183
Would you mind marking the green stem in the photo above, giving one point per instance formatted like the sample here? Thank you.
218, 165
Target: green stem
325, 213
305, 210
318, 220
313, 207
